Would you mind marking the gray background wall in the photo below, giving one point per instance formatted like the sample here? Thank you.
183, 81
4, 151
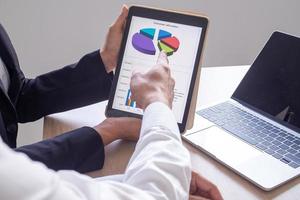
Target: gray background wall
50, 34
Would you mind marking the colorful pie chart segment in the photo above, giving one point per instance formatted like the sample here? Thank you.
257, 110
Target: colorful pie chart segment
163, 34
172, 42
148, 32
143, 41
143, 44
162, 47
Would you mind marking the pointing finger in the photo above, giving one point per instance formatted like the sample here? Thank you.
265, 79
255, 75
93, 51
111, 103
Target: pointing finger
162, 59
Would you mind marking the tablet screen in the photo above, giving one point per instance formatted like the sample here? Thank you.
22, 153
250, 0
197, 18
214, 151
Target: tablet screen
146, 38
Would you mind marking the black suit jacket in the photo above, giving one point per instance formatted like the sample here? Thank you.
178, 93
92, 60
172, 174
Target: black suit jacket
73, 86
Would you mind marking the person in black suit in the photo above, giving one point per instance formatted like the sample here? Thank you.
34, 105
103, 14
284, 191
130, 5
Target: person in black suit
76, 85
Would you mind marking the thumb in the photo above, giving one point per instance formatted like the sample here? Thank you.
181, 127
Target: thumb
162, 59
122, 17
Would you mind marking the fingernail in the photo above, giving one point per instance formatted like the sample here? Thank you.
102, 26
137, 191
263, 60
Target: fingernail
163, 53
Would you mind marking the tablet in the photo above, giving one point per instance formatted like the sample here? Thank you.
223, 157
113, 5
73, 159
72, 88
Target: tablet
149, 31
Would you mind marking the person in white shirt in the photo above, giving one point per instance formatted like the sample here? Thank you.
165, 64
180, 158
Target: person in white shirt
158, 169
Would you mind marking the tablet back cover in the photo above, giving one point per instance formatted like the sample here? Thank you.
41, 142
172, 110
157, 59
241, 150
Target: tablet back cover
190, 120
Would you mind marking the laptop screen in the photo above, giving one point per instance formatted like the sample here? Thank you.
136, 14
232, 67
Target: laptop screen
272, 84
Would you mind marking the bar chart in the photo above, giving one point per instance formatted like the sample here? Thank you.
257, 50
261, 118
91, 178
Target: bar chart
129, 101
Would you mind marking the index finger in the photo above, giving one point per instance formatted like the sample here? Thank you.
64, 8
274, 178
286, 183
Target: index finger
207, 189
162, 59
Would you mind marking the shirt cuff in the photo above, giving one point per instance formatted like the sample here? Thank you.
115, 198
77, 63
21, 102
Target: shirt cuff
159, 114
96, 58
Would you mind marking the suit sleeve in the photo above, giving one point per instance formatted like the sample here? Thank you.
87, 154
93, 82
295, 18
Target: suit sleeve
73, 86
81, 150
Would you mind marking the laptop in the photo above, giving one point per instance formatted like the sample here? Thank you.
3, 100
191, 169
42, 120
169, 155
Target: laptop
256, 132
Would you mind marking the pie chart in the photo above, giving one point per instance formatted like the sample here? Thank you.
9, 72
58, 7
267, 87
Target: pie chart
143, 41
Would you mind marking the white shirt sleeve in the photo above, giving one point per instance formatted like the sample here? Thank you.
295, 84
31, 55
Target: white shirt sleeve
158, 169
160, 163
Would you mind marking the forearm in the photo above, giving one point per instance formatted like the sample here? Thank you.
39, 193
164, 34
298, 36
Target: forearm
81, 150
160, 163
18, 174
159, 169
77, 85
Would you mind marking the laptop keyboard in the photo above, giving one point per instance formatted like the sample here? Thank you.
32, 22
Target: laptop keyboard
255, 131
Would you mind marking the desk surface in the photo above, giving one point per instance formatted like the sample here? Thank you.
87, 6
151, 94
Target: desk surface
216, 84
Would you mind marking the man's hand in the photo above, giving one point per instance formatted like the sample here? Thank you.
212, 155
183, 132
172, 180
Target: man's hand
201, 189
156, 85
112, 129
110, 51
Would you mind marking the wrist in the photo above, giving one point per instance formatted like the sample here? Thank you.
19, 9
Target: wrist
108, 62
154, 99
106, 135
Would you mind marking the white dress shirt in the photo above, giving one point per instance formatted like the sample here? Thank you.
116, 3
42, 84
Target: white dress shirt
159, 169
4, 76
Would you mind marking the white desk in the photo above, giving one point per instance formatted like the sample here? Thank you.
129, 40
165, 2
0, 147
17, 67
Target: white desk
215, 84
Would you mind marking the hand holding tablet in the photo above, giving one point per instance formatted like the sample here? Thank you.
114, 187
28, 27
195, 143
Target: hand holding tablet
148, 32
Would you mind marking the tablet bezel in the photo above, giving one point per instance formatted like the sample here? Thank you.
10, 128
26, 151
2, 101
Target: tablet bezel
169, 16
